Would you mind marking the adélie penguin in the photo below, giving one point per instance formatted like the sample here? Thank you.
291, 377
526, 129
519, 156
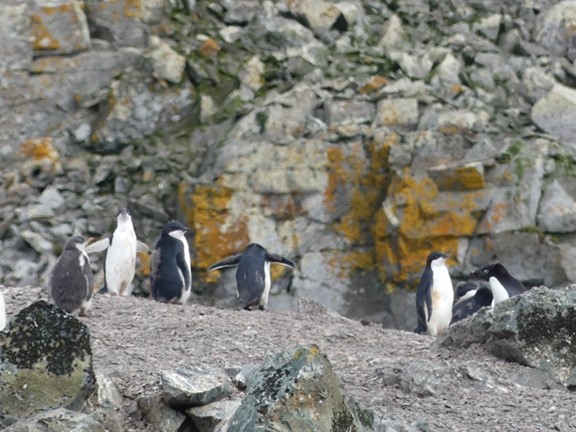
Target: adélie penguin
435, 296
253, 274
121, 249
469, 306
71, 281
170, 268
502, 283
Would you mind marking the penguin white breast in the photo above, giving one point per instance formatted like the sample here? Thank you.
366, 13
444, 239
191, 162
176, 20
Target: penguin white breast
121, 261
179, 235
442, 299
267, 284
498, 290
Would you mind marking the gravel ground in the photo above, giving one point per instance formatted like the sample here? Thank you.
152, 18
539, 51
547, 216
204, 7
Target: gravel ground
402, 376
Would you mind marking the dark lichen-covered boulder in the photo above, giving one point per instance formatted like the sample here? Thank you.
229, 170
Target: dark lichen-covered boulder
298, 391
536, 329
45, 363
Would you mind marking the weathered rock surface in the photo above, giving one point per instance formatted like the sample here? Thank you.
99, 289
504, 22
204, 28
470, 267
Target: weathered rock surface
300, 391
185, 387
534, 329
405, 379
45, 362
353, 137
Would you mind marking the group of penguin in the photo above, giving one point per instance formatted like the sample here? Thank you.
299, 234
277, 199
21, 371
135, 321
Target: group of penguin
438, 305
71, 282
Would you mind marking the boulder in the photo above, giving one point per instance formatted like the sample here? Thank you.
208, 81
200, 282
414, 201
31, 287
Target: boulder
534, 329
62, 419
298, 390
45, 362
186, 387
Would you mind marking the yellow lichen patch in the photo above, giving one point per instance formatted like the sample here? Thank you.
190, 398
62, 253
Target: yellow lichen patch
449, 129
456, 89
336, 176
42, 38
209, 48
375, 83
132, 8
40, 149
143, 264
205, 210
468, 177
416, 227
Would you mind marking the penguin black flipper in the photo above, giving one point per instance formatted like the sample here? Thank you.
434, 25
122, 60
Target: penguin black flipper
277, 259
468, 307
230, 261
154, 265
424, 301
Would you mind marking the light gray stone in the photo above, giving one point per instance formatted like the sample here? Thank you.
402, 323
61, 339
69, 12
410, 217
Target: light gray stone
395, 38
555, 113
349, 111
167, 64
185, 387
207, 417
62, 419
554, 30
397, 112
16, 50
489, 26
160, 416
252, 74
319, 15
536, 83
557, 212
118, 22
59, 27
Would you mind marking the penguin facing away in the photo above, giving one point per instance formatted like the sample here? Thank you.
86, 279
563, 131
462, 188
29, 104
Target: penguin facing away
121, 249
253, 279
71, 282
502, 283
3, 318
435, 296
469, 306
170, 267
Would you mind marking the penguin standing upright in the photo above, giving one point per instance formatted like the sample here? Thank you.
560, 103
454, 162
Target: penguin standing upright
435, 296
71, 282
502, 283
469, 306
3, 319
120, 262
170, 268
253, 274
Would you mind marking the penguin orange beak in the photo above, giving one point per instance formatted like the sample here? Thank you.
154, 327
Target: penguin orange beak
90, 240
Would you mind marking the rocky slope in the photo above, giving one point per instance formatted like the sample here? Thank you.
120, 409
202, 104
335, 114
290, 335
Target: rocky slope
351, 136
409, 381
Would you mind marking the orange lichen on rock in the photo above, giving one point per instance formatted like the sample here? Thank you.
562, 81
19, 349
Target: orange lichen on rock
209, 48
375, 83
402, 245
143, 264
205, 210
40, 149
42, 38
467, 177
132, 8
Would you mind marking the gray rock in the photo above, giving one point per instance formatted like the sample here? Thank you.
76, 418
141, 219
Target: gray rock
536, 83
48, 354
532, 329
397, 112
349, 111
301, 381
160, 416
319, 15
62, 419
555, 114
59, 28
187, 387
119, 23
108, 394
489, 26
554, 29
16, 51
557, 212
167, 64
207, 417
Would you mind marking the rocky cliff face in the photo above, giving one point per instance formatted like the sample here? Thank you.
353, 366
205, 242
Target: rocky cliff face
351, 136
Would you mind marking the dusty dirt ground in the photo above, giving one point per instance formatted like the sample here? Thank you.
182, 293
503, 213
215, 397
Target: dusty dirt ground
402, 376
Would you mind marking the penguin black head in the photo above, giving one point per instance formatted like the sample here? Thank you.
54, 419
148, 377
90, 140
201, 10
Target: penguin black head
436, 257
78, 242
492, 270
465, 290
174, 226
255, 248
